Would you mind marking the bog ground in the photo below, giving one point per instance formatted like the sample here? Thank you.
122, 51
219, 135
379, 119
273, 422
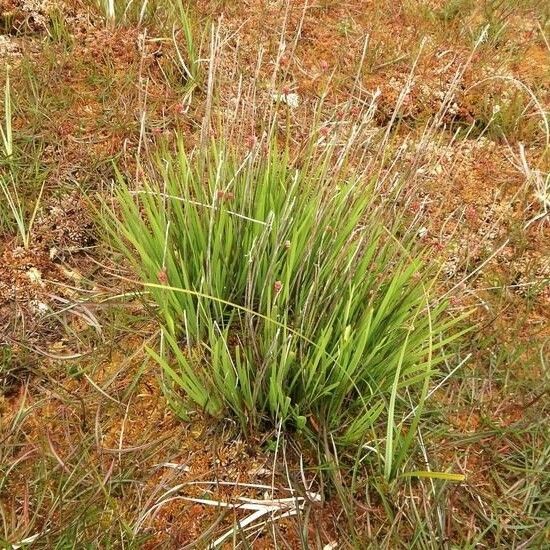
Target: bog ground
274, 274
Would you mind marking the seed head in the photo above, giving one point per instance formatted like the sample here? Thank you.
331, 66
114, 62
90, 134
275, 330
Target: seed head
162, 276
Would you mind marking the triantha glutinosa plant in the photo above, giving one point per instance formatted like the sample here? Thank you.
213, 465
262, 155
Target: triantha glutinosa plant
284, 295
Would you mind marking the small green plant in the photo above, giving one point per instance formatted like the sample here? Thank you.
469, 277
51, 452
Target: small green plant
345, 26
137, 11
17, 209
495, 15
183, 68
58, 30
282, 294
454, 9
512, 116
12, 208
189, 59
5, 129
449, 11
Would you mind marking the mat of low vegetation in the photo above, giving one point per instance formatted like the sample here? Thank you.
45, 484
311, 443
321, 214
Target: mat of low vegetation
274, 273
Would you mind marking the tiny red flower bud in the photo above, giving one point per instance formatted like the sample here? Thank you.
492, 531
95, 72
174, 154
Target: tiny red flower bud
455, 301
162, 276
471, 214
277, 287
225, 195
251, 141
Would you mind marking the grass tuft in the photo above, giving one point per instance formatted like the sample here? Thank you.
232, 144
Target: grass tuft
283, 295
